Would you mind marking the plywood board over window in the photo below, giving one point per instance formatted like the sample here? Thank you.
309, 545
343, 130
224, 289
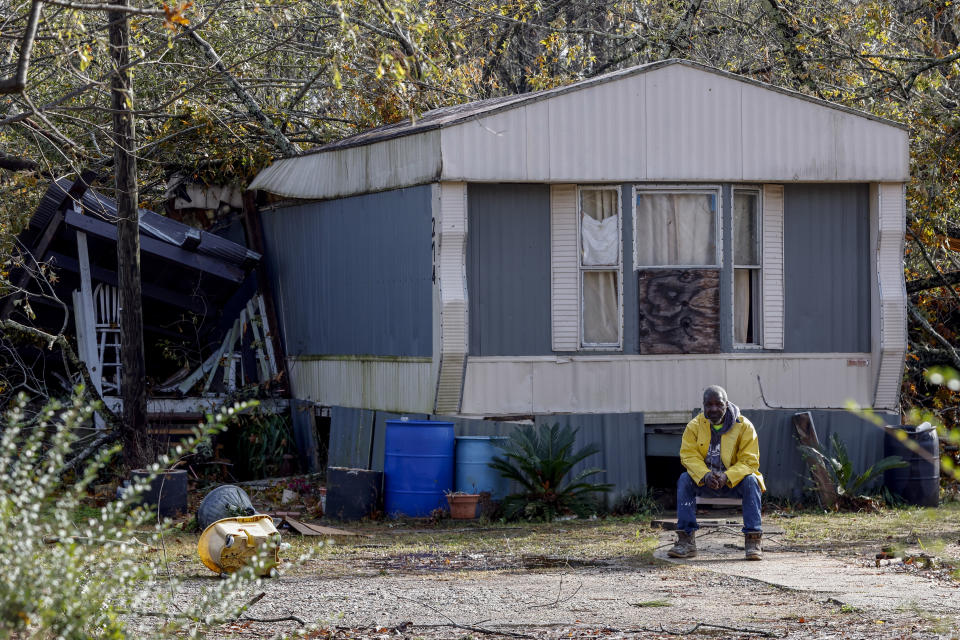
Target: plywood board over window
679, 310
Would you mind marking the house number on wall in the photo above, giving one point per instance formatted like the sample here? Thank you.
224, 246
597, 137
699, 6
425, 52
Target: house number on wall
433, 250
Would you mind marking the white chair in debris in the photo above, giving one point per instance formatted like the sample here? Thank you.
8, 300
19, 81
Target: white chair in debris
106, 304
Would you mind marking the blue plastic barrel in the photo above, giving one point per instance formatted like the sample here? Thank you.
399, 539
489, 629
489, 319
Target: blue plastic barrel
417, 467
473, 472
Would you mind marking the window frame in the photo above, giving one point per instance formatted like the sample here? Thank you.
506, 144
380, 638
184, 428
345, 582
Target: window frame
681, 189
756, 302
617, 268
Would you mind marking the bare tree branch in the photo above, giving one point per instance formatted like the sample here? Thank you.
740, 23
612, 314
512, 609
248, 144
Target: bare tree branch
18, 82
954, 356
286, 147
17, 163
103, 6
947, 279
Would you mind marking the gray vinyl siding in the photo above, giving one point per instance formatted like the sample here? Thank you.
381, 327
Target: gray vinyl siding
354, 431
827, 268
508, 269
353, 276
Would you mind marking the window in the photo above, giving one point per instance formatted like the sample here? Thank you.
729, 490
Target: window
600, 266
676, 228
677, 259
746, 266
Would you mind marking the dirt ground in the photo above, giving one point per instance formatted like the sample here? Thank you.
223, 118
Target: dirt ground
489, 583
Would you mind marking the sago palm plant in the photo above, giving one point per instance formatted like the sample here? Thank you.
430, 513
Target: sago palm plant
848, 483
539, 460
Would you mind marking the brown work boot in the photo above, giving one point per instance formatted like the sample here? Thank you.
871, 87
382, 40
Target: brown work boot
751, 546
685, 547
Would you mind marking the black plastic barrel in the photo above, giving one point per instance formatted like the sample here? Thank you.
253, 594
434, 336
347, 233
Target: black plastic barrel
919, 482
353, 494
167, 492
226, 501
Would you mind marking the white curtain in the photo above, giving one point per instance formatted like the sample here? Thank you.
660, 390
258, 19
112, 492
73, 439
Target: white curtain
599, 227
676, 229
601, 322
745, 230
600, 246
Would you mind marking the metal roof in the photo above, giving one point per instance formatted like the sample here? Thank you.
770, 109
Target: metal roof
152, 224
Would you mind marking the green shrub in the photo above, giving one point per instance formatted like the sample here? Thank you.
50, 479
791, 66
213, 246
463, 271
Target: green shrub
539, 459
639, 502
89, 577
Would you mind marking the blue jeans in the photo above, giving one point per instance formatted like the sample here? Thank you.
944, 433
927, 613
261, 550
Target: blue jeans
747, 490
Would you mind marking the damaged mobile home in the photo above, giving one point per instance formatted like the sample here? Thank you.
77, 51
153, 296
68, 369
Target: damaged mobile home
596, 255
206, 328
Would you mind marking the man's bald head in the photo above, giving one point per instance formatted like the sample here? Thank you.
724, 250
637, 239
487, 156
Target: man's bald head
714, 403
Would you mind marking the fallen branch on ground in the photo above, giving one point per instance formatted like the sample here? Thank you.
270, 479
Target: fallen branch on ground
704, 625
559, 593
465, 627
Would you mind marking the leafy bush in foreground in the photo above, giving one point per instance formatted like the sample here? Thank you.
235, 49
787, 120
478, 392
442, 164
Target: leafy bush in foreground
72, 579
539, 458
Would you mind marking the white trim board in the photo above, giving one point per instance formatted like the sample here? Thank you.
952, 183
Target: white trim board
450, 268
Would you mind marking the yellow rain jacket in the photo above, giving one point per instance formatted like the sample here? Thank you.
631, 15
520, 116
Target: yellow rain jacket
739, 450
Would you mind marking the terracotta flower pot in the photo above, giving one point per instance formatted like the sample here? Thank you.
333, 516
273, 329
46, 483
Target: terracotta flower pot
463, 506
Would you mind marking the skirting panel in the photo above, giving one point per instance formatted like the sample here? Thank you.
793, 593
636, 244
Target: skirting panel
384, 384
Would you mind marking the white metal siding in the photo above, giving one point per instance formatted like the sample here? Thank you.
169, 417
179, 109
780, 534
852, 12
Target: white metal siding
564, 285
674, 123
868, 148
771, 295
693, 127
617, 384
389, 164
671, 122
787, 139
384, 385
598, 134
451, 272
893, 296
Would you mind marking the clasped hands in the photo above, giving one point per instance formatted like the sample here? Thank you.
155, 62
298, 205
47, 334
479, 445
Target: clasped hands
714, 480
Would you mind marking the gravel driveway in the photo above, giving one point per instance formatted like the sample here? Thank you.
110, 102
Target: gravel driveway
492, 591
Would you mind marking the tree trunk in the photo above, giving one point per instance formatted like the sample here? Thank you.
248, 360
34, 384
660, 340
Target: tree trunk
807, 432
133, 431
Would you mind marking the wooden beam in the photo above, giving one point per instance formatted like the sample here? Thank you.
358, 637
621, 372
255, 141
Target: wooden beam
101, 274
102, 229
86, 314
254, 231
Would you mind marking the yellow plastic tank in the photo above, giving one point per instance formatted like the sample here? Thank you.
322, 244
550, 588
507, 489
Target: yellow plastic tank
230, 544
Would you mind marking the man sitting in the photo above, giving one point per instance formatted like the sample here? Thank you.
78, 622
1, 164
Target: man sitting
722, 456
